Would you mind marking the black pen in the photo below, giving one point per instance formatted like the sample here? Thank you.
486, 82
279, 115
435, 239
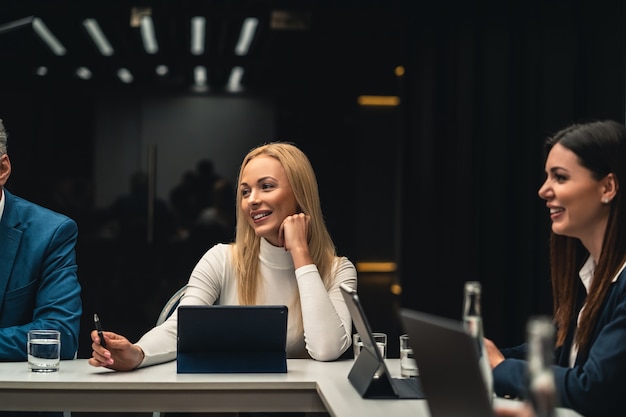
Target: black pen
96, 321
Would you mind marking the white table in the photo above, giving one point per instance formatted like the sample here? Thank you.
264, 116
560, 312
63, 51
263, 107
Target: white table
308, 385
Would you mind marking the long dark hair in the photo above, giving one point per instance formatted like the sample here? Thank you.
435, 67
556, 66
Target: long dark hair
600, 147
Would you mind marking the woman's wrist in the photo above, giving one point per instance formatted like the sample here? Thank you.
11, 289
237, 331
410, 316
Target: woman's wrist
301, 257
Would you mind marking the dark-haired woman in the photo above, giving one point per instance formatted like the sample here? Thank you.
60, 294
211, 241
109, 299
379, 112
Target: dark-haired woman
585, 167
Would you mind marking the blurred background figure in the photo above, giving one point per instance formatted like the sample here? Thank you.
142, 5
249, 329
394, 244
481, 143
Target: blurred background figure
185, 203
128, 215
216, 223
207, 178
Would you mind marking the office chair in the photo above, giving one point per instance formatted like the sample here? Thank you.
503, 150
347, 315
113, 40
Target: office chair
171, 305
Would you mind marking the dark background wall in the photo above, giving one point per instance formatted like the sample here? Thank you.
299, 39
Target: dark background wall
485, 86
445, 184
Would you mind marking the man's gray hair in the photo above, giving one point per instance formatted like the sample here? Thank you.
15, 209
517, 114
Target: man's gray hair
3, 139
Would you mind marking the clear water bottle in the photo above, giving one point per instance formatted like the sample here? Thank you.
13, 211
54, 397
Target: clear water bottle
541, 386
473, 322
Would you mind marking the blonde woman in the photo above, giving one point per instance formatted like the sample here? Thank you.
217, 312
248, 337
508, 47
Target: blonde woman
282, 254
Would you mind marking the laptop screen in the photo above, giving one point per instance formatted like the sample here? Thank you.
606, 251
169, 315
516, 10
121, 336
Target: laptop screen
447, 358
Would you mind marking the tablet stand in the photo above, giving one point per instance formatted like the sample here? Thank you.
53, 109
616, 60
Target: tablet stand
370, 383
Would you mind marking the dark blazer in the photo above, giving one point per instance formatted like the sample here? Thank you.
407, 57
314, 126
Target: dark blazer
39, 286
595, 385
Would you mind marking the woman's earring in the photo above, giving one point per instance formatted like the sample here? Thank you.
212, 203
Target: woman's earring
605, 200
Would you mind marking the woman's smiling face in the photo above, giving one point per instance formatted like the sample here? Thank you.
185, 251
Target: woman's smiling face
266, 196
573, 196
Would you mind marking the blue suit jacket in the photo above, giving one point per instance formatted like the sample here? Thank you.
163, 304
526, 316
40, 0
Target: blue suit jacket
39, 286
596, 384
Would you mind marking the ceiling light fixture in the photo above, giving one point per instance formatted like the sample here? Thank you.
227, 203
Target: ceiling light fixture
234, 80
248, 28
41, 71
147, 35
199, 76
200, 79
198, 24
44, 33
98, 37
162, 70
125, 75
16, 24
83, 73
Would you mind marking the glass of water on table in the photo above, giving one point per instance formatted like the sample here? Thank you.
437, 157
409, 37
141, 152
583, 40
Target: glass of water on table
379, 338
408, 365
44, 350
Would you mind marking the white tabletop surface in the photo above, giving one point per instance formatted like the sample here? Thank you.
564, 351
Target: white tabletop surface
307, 386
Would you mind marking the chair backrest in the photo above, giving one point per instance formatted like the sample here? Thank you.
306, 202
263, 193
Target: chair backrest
171, 305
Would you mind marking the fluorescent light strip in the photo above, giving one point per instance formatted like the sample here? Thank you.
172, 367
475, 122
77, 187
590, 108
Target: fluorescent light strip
246, 35
234, 80
198, 24
199, 75
44, 33
101, 41
125, 75
147, 35
16, 24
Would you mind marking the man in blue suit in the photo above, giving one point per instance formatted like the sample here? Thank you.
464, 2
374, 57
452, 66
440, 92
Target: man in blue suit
39, 286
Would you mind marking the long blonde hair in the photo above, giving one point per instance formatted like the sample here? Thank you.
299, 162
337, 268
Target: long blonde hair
245, 250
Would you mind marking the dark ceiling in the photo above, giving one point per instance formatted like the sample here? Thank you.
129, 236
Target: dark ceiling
352, 45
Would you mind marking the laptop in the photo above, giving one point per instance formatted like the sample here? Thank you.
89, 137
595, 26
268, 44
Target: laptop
369, 374
232, 339
447, 358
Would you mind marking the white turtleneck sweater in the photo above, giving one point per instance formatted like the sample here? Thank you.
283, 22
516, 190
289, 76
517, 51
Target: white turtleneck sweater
325, 316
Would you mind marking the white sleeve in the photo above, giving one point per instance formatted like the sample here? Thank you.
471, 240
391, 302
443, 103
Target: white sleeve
325, 316
204, 287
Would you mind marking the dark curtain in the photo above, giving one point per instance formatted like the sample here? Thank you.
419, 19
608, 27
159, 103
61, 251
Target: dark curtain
486, 84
